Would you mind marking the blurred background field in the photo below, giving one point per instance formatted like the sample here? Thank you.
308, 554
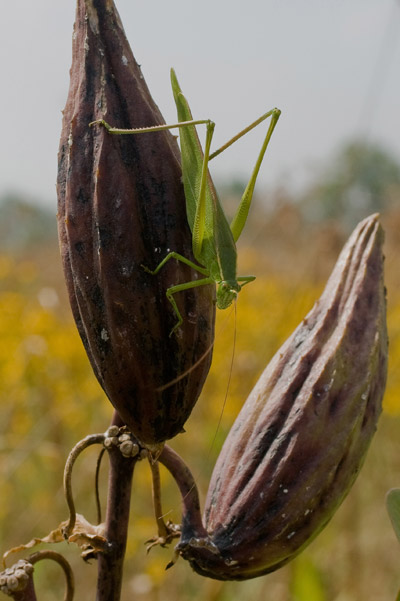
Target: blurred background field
49, 398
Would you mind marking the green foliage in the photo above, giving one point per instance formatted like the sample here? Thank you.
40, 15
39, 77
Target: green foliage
306, 582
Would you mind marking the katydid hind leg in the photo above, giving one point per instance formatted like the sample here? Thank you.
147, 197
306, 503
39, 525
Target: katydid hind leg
273, 113
117, 131
240, 218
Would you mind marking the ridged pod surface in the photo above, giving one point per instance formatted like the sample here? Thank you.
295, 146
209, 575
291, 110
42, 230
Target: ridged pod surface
299, 441
122, 205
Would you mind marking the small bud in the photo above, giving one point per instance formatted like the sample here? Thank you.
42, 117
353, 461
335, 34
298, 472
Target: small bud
112, 431
135, 449
15, 579
126, 448
12, 583
111, 442
28, 568
21, 575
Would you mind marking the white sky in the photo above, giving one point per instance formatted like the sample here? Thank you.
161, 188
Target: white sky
331, 66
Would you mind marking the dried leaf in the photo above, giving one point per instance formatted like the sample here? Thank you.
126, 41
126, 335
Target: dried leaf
84, 534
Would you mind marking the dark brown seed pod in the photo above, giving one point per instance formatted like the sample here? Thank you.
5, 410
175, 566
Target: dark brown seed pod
298, 444
122, 205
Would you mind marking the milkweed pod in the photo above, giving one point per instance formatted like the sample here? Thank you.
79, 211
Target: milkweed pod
300, 439
121, 205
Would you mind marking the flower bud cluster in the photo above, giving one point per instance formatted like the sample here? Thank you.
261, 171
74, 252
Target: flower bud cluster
125, 442
16, 578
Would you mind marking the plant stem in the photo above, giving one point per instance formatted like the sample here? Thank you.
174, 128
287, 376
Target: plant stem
191, 515
162, 529
76, 451
28, 594
110, 563
63, 563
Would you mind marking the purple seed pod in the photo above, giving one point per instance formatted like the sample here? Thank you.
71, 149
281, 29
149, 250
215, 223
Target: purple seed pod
300, 439
121, 205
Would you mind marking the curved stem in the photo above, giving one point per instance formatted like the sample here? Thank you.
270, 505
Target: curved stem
158, 512
76, 451
69, 576
191, 516
97, 475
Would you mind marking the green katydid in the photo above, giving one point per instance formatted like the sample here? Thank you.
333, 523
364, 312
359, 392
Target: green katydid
213, 238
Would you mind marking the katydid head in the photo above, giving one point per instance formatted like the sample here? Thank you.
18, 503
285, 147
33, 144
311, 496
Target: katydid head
227, 292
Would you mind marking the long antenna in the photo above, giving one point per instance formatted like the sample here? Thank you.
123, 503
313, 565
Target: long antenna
228, 385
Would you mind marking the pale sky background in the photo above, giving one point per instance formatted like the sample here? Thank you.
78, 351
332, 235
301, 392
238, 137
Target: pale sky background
331, 66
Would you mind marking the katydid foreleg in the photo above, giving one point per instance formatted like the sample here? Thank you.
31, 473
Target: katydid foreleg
246, 279
180, 287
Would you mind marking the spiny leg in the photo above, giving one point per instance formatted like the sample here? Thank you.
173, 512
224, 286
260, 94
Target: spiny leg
246, 130
242, 212
117, 131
